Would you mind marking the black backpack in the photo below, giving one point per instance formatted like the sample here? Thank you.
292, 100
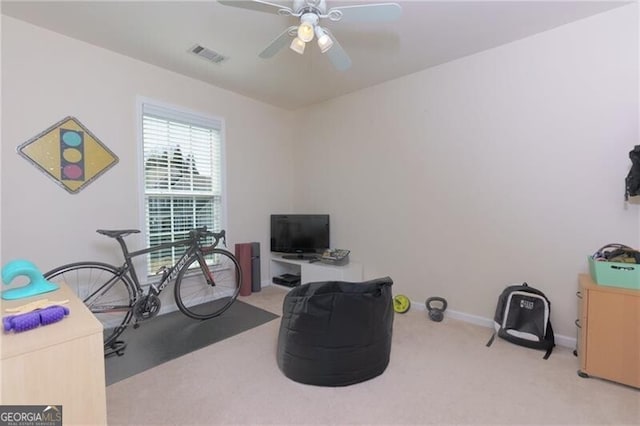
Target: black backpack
523, 317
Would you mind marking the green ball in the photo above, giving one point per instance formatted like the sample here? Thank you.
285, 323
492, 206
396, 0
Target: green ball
401, 303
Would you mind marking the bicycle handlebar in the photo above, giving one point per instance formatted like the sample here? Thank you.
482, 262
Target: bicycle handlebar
199, 233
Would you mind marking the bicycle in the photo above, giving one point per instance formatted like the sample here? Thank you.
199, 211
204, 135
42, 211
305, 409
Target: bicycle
207, 282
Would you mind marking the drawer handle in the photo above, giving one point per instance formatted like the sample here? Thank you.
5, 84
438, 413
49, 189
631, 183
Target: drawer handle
578, 323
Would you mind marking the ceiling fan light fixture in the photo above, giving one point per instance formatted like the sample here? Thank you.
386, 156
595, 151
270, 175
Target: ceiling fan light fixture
305, 32
324, 41
311, 12
297, 45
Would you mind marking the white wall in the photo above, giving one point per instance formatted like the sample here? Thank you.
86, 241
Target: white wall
46, 76
501, 167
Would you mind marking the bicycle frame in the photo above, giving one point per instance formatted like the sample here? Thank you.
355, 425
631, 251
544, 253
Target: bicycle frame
169, 273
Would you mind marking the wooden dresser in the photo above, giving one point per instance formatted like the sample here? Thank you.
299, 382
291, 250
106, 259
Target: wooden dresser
57, 364
609, 334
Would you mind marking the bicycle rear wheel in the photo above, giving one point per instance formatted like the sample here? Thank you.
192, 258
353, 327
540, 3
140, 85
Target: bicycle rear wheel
108, 295
194, 295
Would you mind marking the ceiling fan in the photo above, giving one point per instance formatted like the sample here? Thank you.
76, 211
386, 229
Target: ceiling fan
311, 13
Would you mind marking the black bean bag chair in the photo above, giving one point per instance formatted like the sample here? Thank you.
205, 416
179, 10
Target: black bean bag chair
336, 333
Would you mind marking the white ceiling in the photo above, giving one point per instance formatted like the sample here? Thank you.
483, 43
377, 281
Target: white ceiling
428, 33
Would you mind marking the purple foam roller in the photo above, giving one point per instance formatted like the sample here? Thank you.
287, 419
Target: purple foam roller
31, 320
21, 322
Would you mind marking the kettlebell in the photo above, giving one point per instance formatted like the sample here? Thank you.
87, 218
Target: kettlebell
436, 313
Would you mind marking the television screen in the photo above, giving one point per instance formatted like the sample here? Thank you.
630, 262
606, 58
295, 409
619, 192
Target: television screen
299, 233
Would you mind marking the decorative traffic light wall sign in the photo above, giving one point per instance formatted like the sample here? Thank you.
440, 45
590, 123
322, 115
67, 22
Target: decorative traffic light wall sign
69, 153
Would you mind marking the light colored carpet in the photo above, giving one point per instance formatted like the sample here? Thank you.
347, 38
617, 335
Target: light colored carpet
439, 373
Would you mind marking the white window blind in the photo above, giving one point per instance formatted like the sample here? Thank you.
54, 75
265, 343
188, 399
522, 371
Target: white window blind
182, 178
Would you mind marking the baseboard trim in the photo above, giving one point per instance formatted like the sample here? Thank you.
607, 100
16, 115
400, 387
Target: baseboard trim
565, 341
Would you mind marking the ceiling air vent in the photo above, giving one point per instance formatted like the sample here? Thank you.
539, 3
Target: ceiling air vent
208, 54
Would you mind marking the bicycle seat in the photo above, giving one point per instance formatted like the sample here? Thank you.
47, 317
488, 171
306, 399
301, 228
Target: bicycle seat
117, 233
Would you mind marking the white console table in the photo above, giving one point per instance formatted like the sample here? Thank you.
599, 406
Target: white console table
316, 271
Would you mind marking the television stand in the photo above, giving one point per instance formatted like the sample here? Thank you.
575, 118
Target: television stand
310, 271
300, 256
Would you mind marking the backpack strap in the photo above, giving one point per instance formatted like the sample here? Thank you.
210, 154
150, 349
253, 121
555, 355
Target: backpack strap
549, 337
493, 336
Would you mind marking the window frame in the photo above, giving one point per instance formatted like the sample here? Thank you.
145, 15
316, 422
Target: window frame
178, 113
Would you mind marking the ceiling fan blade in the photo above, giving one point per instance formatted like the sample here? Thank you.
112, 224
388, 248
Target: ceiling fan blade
337, 55
258, 5
278, 43
381, 12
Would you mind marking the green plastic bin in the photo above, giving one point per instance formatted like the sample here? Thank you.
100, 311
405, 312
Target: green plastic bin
615, 274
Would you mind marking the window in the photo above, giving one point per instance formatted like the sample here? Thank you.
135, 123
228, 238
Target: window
182, 175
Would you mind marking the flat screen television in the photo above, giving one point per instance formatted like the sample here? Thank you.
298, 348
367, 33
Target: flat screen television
299, 234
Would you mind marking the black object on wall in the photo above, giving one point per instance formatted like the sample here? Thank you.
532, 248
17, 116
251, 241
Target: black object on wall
633, 178
255, 267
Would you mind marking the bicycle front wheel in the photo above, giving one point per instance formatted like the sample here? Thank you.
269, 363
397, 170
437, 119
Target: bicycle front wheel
208, 284
107, 294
